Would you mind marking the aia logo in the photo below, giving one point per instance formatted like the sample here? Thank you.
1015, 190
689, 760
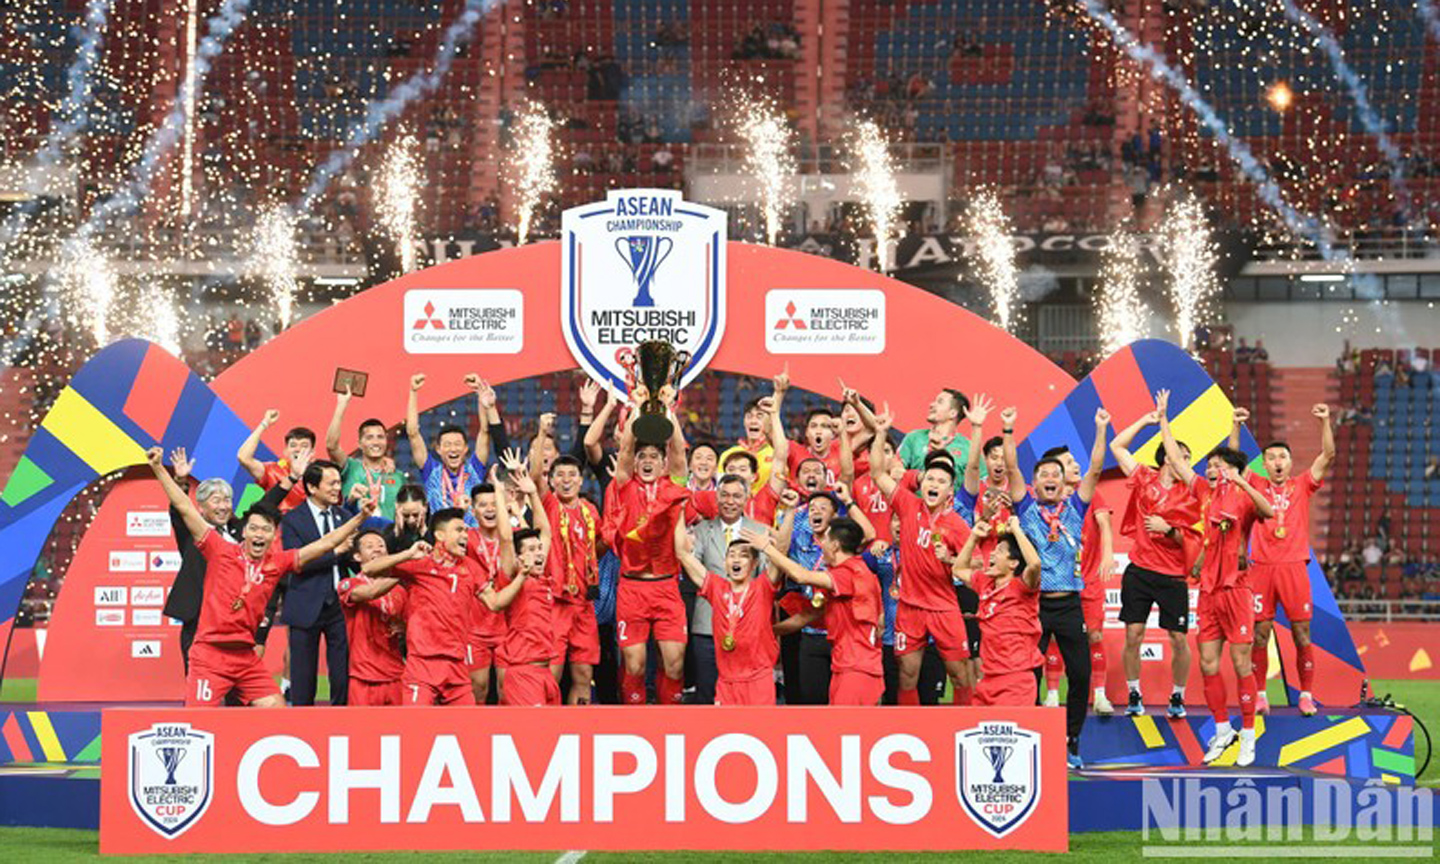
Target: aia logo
429, 319
790, 320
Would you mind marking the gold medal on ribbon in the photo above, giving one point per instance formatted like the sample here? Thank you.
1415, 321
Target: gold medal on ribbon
1280, 532
817, 600
1224, 525
895, 590
728, 642
572, 589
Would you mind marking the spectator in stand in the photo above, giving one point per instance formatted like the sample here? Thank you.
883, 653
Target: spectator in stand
1432, 468
1260, 355
1382, 528
1372, 554
1244, 353
1384, 373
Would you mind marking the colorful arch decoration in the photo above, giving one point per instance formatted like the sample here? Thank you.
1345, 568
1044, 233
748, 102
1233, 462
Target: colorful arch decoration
133, 395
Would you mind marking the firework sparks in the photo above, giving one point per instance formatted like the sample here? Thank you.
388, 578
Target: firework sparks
1119, 311
275, 258
769, 158
399, 198
990, 232
160, 323
88, 283
1189, 257
875, 180
534, 165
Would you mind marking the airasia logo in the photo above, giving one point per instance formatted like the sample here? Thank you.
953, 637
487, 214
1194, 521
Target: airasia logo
429, 319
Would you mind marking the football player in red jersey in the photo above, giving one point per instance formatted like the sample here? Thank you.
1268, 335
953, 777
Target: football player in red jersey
374, 625
1226, 608
573, 569
741, 602
1009, 589
1280, 553
239, 579
854, 614
487, 628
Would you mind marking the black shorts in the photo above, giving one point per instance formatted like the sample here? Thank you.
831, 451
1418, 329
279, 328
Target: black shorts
969, 605
1141, 588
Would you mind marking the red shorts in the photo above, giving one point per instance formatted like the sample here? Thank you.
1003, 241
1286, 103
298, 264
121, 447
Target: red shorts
1006, 688
482, 653
215, 671
756, 691
1227, 615
436, 681
647, 605
375, 693
1092, 606
530, 686
947, 628
853, 687
576, 633
1285, 585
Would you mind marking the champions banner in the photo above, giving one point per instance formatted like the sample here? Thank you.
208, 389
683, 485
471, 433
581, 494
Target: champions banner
612, 778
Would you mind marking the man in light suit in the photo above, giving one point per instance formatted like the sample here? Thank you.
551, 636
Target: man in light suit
712, 538
312, 607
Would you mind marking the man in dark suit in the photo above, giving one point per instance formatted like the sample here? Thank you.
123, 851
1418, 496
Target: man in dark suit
215, 500
311, 608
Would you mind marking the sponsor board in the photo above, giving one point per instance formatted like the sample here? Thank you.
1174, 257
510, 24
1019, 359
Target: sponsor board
109, 617
164, 562
644, 265
1152, 652
170, 769
785, 778
464, 321
144, 649
145, 617
110, 595
147, 523
825, 321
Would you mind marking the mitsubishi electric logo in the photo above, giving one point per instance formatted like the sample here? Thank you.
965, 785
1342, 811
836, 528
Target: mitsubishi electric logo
790, 319
825, 321
429, 319
464, 321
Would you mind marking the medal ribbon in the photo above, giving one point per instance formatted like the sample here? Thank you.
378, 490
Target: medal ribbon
452, 491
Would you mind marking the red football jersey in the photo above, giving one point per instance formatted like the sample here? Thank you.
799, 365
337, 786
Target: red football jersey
572, 565
1228, 516
485, 625
276, 472
640, 519
742, 620
854, 617
1002, 515
529, 634
1284, 538
799, 453
1156, 552
872, 503
441, 595
1009, 625
373, 629
1090, 541
925, 581
237, 588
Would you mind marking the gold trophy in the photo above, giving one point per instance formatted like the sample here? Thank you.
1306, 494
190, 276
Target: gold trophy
658, 364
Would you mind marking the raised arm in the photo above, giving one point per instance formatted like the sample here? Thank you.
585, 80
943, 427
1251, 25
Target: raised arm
856, 513
418, 451
879, 463
332, 433
847, 456
246, 454
536, 466
676, 465
1322, 462
685, 551
594, 451
178, 499
1097, 456
326, 544
496, 600
964, 565
1120, 445
1262, 505
381, 584
625, 459
1237, 419
779, 447
1173, 454
1031, 574
509, 562
1012, 455
766, 544
977, 413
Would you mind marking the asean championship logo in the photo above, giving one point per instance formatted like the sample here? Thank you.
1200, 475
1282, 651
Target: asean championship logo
997, 775
172, 776
644, 265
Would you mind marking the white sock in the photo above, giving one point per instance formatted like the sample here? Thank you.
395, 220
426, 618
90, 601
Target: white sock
1099, 691
1305, 694
1222, 729
284, 683
1178, 690
1052, 692
1247, 735
1133, 684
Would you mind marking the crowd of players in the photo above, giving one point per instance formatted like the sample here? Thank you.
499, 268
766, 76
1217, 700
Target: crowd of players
852, 566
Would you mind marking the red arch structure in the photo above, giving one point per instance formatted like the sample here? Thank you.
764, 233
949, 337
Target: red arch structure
930, 342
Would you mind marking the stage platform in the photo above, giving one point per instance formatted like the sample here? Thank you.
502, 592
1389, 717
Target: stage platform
50, 760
